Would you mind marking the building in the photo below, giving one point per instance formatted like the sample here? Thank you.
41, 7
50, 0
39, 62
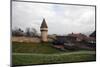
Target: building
44, 31
93, 34
79, 36
92, 38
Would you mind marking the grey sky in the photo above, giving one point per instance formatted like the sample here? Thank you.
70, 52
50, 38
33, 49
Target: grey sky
61, 19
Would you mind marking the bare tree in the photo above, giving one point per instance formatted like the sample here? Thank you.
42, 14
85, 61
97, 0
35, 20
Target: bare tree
34, 31
31, 32
17, 32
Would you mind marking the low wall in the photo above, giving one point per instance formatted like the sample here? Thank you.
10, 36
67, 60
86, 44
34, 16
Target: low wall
26, 39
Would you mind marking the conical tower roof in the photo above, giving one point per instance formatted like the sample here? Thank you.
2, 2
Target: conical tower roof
44, 25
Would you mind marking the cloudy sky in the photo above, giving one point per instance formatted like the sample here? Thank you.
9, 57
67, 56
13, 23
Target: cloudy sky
61, 19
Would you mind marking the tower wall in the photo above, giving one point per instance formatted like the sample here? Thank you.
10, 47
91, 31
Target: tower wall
44, 31
44, 34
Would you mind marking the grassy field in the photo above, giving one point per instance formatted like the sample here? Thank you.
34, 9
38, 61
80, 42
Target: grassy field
44, 53
44, 48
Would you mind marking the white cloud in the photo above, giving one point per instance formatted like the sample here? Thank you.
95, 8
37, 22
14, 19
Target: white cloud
61, 19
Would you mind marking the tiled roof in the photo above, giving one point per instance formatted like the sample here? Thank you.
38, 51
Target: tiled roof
78, 35
44, 25
93, 34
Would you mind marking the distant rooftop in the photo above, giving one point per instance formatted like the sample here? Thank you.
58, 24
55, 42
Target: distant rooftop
93, 34
44, 25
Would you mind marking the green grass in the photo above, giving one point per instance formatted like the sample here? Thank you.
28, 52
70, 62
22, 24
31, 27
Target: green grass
33, 48
46, 59
44, 53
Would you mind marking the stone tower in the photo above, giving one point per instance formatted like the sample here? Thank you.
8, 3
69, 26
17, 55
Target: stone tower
44, 31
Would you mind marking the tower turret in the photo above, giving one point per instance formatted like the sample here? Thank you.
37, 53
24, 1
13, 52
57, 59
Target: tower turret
44, 31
